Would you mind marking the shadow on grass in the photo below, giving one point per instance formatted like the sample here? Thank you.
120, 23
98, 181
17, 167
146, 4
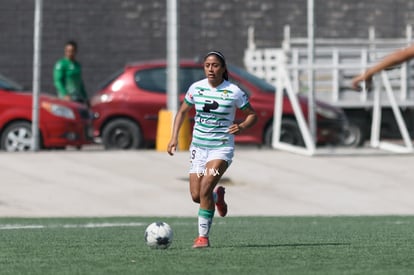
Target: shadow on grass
284, 245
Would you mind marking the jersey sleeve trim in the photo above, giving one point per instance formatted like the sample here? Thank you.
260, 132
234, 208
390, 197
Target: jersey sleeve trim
188, 102
245, 106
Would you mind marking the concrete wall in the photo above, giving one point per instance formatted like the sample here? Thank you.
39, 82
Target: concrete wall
113, 32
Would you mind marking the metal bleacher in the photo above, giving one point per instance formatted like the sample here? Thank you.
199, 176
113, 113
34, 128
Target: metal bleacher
336, 62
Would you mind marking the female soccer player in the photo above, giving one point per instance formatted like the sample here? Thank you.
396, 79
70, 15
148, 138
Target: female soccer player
215, 100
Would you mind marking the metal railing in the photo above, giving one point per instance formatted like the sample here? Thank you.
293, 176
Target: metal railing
336, 62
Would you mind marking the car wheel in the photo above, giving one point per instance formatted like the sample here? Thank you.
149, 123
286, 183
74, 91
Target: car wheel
17, 137
354, 135
123, 134
290, 133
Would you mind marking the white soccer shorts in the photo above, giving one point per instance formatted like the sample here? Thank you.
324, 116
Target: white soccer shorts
200, 156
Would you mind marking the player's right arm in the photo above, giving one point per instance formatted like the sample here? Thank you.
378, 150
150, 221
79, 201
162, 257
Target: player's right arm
59, 78
178, 121
186, 106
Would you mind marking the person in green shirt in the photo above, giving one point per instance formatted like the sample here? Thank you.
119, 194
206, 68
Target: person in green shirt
67, 76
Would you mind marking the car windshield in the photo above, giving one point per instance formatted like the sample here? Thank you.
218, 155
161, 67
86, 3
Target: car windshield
155, 79
109, 80
258, 82
10, 85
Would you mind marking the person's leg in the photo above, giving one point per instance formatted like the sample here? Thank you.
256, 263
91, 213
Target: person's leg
212, 174
198, 158
219, 191
195, 180
221, 205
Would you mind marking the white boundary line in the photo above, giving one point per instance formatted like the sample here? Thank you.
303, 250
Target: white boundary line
86, 225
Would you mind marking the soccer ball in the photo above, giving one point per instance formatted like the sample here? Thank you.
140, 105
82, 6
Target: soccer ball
158, 235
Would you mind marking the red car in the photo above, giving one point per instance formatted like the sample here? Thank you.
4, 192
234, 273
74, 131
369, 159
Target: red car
126, 107
61, 123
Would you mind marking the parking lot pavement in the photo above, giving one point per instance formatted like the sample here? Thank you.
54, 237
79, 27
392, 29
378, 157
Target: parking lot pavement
94, 182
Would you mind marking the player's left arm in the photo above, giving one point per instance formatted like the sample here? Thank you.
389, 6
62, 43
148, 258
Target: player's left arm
249, 121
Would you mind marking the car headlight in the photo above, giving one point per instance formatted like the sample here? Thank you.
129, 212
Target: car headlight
105, 98
325, 112
58, 110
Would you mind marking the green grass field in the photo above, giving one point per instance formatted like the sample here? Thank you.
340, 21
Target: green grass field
240, 245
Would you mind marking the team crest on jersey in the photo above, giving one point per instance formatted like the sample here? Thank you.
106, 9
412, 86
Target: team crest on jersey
225, 94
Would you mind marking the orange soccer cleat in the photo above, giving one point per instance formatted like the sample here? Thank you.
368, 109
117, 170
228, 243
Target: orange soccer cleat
201, 242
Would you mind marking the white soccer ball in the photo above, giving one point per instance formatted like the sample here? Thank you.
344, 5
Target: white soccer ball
158, 235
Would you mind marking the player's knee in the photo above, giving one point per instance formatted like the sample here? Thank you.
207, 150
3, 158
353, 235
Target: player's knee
195, 197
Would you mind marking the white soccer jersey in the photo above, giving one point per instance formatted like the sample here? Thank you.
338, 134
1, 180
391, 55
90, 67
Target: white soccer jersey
215, 111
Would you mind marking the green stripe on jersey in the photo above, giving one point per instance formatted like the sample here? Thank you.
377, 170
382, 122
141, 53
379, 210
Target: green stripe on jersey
209, 125
188, 103
209, 117
202, 88
220, 113
212, 97
209, 132
202, 145
220, 105
225, 91
245, 106
210, 139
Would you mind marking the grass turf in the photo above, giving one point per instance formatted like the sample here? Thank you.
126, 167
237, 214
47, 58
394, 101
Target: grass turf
240, 245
